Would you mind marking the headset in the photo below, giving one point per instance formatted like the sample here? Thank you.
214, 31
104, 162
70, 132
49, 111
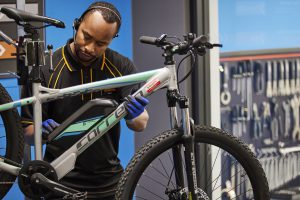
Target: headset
77, 21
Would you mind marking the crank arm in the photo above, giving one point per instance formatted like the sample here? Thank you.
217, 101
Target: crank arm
40, 180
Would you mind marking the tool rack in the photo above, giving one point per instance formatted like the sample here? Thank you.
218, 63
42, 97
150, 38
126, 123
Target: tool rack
260, 103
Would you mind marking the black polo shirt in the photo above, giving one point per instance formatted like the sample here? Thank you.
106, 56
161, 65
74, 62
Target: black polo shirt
98, 168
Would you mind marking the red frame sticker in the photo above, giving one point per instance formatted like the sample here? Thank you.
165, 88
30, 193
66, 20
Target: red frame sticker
152, 85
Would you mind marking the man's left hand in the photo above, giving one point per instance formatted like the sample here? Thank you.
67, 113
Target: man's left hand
135, 106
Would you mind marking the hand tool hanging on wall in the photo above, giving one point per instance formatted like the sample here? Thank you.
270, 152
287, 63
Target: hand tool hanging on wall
275, 79
298, 76
239, 76
234, 121
243, 118
259, 79
274, 122
281, 85
256, 123
287, 118
249, 74
225, 94
287, 77
269, 93
277, 110
295, 103
266, 114
233, 76
243, 70
293, 77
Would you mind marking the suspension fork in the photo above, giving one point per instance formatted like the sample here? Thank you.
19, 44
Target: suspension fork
176, 151
188, 144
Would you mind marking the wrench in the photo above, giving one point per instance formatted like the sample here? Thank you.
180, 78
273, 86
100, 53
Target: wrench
249, 75
295, 103
259, 80
298, 76
287, 119
293, 77
275, 77
225, 94
269, 80
287, 78
281, 86
257, 129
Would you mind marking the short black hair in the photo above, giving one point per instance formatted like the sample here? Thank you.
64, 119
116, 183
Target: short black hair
109, 12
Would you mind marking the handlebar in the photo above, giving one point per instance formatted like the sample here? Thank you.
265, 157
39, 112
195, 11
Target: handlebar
191, 43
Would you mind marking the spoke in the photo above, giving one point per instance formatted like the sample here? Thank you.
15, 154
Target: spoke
176, 173
213, 167
234, 188
221, 173
230, 178
163, 167
154, 180
216, 179
138, 197
150, 191
158, 171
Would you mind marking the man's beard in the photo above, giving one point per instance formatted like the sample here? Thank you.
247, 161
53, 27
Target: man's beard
82, 56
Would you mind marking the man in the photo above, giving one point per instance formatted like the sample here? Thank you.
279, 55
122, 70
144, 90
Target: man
87, 58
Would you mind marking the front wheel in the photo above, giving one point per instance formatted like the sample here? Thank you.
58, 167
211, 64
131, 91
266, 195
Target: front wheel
234, 172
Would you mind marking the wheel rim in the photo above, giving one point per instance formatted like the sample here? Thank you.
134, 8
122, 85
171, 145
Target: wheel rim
230, 182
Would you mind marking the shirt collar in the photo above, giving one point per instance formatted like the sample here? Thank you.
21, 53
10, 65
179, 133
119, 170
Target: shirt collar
72, 62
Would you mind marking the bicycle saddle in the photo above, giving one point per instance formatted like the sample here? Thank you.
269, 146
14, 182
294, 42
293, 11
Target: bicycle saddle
22, 16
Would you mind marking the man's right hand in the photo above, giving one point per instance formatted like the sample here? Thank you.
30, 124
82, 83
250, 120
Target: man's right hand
48, 126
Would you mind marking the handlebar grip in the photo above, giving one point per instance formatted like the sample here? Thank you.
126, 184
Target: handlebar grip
148, 40
200, 40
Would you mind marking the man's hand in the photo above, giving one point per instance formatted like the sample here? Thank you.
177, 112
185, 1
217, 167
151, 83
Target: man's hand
48, 126
135, 106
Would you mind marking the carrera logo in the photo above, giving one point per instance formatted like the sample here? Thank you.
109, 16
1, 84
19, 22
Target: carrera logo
152, 85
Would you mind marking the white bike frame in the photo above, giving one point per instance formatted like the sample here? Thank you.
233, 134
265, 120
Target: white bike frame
155, 79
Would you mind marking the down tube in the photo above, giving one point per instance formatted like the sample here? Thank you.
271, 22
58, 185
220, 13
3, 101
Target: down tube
66, 162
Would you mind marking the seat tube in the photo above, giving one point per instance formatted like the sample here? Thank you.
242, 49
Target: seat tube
37, 117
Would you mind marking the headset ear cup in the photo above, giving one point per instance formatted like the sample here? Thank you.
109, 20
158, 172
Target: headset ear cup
76, 24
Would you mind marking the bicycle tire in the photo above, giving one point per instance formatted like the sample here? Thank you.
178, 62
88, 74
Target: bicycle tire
13, 139
137, 167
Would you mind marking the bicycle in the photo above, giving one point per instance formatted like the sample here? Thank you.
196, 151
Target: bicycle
241, 175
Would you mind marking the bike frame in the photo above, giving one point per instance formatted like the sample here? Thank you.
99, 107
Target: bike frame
155, 79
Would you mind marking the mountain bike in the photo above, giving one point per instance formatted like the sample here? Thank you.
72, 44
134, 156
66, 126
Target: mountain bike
168, 162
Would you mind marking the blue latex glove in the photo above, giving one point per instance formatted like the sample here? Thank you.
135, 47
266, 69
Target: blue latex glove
135, 106
48, 126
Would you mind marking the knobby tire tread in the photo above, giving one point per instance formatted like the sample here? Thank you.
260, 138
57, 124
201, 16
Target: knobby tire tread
203, 134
